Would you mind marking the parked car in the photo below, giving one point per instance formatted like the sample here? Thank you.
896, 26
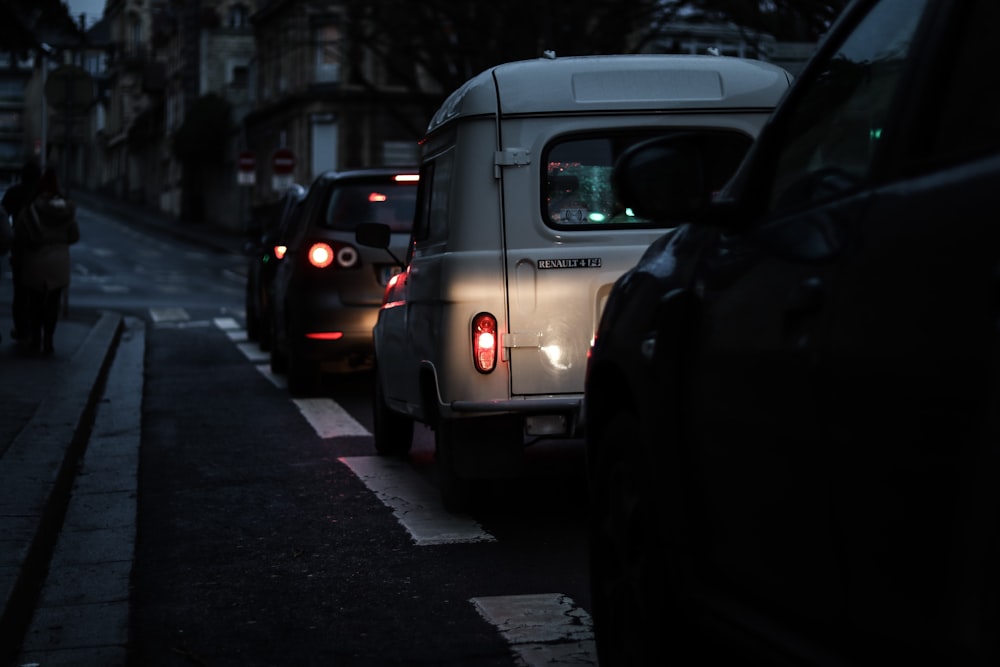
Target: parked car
264, 251
518, 239
792, 400
327, 288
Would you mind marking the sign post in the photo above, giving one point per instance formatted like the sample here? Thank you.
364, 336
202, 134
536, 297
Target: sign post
283, 166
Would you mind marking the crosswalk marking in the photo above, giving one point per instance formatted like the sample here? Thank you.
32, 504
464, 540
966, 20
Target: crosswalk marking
415, 503
547, 629
170, 314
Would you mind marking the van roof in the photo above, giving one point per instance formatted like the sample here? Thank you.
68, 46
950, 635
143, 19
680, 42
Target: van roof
585, 84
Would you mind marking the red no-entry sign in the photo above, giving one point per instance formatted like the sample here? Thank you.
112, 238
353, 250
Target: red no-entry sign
247, 161
283, 161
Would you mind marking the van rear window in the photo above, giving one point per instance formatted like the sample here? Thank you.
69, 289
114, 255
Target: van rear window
577, 192
388, 203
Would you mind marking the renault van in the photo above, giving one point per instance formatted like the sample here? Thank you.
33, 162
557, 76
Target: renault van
518, 239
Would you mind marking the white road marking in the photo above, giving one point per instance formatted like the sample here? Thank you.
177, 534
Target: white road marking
253, 353
329, 419
228, 324
168, 315
278, 381
415, 503
547, 629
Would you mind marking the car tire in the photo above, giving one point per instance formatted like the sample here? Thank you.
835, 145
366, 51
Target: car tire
627, 556
252, 315
303, 376
279, 361
456, 491
393, 432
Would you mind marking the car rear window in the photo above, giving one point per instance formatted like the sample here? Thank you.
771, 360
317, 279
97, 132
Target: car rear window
577, 192
384, 202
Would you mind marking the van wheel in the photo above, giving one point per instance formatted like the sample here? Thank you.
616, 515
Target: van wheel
279, 362
456, 491
302, 375
393, 432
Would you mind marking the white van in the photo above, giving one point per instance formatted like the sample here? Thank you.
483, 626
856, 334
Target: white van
518, 239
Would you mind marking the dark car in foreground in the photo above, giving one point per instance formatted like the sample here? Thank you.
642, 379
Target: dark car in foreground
327, 288
792, 399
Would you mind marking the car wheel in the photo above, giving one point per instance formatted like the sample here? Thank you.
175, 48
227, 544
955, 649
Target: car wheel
279, 361
252, 315
303, 376
455, 490
393, 432
627, 564
264, 336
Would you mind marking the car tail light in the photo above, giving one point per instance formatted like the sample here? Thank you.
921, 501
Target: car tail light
325, 335
322, 255
484, 342
279, 251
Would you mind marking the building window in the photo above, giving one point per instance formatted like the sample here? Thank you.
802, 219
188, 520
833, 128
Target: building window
328, 59
238, 16
135, 37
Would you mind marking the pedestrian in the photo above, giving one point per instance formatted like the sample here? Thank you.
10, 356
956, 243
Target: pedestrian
14, 199
44, 230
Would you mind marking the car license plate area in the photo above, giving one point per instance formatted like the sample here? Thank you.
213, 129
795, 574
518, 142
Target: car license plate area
385, 272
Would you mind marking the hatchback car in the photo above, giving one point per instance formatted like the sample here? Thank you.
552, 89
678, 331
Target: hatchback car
327, 288
792, 400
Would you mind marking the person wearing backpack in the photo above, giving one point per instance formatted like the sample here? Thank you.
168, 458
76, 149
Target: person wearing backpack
43, 232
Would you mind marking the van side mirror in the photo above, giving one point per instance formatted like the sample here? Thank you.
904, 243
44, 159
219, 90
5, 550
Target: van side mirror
663, 179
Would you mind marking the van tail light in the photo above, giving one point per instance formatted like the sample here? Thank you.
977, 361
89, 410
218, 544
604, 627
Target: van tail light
484, 342
322, 255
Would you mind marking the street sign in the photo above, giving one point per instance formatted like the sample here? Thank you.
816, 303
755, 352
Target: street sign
247, 168
283, 161
69, 88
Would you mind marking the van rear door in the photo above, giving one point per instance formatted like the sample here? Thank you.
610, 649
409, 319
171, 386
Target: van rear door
566, 244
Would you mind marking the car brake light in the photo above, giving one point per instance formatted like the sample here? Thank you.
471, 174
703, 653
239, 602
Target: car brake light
320, 255
279, 251
484, 342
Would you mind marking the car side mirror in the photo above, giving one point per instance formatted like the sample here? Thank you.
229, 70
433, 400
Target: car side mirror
376, 235
664, 179
373, 235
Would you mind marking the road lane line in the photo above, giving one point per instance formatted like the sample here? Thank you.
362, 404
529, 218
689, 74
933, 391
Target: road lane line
328, 418
414, 502
546, 629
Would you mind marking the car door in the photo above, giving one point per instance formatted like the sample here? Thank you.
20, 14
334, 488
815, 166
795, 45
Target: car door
843, 368
762, 430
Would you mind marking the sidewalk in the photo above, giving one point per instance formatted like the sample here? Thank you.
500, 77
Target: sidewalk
47, 410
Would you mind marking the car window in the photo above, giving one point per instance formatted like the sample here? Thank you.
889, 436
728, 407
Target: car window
969, 123
383, 202
577, 192
832, 132
435, 183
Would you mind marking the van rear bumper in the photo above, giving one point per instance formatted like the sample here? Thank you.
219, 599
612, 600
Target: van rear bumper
542, 416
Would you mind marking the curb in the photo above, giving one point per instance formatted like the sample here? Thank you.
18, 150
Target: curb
37, 477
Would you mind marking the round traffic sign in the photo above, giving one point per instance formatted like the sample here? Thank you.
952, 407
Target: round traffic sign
283, 161
247, 161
